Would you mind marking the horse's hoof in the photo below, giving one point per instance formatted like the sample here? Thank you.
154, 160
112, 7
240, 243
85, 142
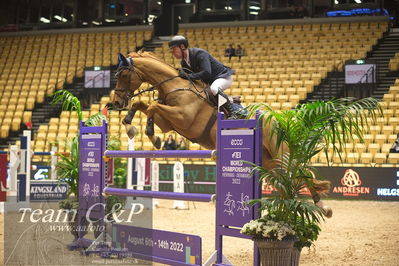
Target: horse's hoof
158, 143
149, 129
327, 212
131, 131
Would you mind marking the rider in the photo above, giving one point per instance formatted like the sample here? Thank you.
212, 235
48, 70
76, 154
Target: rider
206, 68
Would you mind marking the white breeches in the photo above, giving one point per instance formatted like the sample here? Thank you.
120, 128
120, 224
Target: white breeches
221, 83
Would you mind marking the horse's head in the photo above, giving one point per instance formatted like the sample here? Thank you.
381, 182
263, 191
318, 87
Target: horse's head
128, 81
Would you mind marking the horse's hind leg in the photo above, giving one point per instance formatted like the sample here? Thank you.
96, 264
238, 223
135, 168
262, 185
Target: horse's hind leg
321, 186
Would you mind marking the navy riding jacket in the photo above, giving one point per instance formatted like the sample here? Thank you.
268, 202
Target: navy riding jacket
205, 67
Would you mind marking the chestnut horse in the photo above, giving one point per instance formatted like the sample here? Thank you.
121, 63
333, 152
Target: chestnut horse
181, 106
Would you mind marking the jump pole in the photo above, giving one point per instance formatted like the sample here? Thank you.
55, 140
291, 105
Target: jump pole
160, 194
161, 154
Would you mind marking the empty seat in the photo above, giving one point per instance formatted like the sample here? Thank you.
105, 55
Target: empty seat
393, 158
366, 158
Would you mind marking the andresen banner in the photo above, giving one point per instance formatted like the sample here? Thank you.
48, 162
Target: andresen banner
374, 183
377, 183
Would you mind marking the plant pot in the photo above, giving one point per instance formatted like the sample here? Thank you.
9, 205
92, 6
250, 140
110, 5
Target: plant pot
275, 252
295, 255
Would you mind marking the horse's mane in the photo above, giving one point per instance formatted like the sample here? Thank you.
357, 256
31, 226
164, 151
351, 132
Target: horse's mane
144, 54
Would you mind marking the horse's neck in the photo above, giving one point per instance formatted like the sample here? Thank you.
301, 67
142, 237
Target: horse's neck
155, 72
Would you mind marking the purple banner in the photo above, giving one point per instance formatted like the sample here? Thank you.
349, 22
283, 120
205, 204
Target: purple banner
160, 246
236, 180
90, 175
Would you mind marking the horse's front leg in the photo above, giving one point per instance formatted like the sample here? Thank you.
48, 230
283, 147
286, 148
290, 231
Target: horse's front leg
161, 123
127, 121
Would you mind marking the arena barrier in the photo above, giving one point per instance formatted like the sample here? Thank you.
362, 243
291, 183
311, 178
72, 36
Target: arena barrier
20, 164
237, 141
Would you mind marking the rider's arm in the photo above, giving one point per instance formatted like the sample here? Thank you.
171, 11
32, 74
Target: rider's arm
205, 66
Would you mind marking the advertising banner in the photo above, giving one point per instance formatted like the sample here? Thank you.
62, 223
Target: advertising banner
97, 79
360, 73
380, 183
48, 191
90, 174
374, 183
236, 180
143, 243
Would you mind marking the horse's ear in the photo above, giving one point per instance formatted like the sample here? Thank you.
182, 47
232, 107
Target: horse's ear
122, 61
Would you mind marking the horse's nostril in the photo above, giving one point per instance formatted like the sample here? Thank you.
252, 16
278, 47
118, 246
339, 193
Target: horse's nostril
110, 106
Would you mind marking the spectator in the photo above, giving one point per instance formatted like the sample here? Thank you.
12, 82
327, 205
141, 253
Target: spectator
395, 146
239, 52
169, 143
181, 144
229, 52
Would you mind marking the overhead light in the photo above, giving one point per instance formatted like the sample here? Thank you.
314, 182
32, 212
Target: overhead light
228, 8
84, 23
44, 20
358, 1
254, 7
126, 14
109, 20
96, 22
336, 2
188, 1
159, 2
60, 18
208, 9
254, 13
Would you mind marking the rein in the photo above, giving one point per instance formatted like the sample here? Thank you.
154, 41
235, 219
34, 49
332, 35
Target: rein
153, 88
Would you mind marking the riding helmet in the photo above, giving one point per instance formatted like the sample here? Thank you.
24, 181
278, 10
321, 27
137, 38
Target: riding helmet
177, 40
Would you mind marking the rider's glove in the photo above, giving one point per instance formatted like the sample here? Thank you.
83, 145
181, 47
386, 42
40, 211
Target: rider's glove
183, 74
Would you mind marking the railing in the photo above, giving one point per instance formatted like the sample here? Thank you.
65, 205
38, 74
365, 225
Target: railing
367, 74
369, 84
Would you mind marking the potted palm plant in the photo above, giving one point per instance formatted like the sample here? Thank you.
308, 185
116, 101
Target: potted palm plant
302, 133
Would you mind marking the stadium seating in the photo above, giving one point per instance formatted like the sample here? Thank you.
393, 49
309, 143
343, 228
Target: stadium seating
282, 63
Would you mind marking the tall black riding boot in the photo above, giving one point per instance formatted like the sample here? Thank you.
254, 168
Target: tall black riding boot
227, 106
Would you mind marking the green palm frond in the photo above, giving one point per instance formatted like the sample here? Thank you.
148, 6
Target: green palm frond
68, 166
68, 101
312, 127
95, 120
